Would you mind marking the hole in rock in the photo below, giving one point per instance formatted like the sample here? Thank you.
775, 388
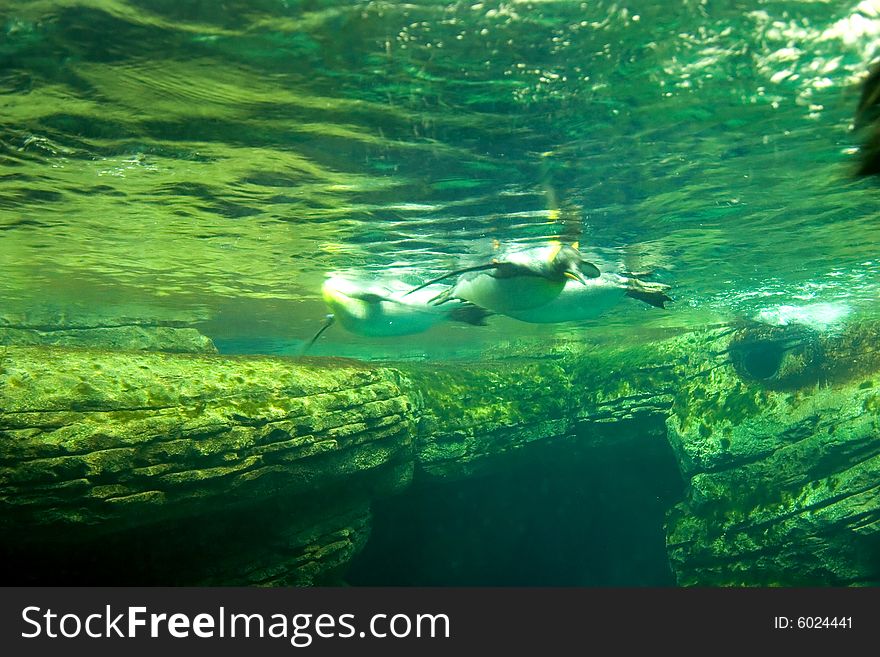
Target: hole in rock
762, 359
581, 511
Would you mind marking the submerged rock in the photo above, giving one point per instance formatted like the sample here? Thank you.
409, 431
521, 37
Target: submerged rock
777, 356
96, 444
783, 472
221, 470
124, 338
470, 414
796, 502
105, 328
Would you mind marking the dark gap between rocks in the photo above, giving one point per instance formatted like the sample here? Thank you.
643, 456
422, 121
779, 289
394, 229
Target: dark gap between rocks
587, 510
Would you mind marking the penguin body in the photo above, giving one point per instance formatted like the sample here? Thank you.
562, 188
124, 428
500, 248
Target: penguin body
504, 295
519, 280
375, 310
590, 299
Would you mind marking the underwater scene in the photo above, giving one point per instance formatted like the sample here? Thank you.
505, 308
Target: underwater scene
523, 293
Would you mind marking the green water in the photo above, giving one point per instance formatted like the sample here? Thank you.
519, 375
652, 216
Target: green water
212, 163
207, 164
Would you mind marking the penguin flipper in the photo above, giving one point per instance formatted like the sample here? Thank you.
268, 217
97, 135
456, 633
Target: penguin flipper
589, 269
470, 313
454, 272
504, 269
328, 322
443, 297
374, 297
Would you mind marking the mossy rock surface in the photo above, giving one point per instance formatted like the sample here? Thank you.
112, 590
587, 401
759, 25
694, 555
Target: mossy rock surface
120, 439
784, 472
470, 413
88, 329
102, 447
122, 338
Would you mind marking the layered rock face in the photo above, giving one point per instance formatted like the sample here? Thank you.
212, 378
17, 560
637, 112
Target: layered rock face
784, 467
101, 443
138, 467
53, 327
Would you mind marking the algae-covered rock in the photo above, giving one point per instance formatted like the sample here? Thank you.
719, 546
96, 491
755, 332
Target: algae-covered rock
101, 449
784, 472
470, 413
124, 338
777, 356
105, 441
268, 467
619, 383
121, 446
270, 543
105, 327
806, 512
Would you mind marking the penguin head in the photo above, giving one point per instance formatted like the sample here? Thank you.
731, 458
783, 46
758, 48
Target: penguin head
556, 262
568, 262
349, 298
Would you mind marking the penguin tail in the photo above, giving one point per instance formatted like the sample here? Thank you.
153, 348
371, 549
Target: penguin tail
470, 314
654, 294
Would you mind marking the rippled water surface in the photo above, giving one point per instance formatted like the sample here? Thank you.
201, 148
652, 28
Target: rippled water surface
212, 162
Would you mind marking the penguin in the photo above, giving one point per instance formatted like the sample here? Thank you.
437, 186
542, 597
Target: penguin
379, 311
587, 300
867, 120
518, 280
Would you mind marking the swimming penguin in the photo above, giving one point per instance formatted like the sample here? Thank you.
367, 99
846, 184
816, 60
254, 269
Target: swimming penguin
518, 280
867, 120
579, 301
377, 311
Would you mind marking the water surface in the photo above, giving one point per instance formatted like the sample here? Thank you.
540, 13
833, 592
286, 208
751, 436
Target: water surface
211, 162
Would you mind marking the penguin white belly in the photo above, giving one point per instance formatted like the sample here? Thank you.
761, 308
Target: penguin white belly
576, 302
375, 317
503, 295
384, 319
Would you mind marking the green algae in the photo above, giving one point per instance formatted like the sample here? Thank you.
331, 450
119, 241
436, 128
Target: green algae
119, 443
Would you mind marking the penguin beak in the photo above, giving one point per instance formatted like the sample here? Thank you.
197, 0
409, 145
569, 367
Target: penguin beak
575, 277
